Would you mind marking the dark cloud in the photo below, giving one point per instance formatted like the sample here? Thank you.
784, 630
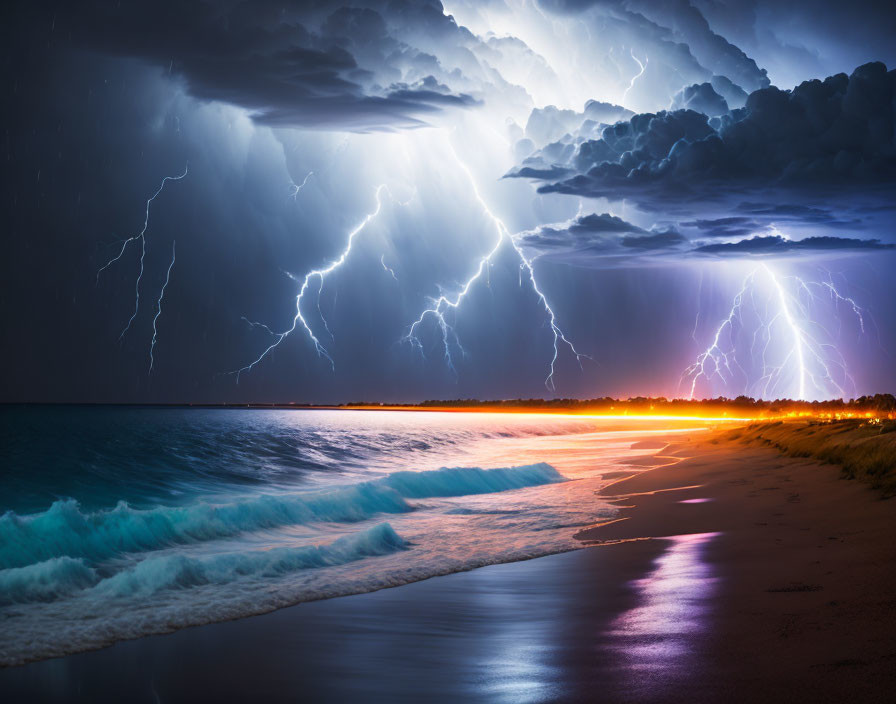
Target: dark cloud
774, 244
547, 174
601, 240
802, 213
657, 240
626, 150
733, 226
437, 95
311, 65
600, 235
796, 41
837, 131
603, 222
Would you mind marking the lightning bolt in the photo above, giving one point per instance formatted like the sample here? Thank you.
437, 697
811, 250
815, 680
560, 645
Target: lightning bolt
294, 189
320, 275
253, 324
837, 297
141, 236
388, 268
782, 305
800, 338
155, 333
715, 361
440, 306
640, 73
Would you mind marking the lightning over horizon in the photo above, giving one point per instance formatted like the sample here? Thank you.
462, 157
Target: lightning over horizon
772, 344
441, 305
537, 186
152, 344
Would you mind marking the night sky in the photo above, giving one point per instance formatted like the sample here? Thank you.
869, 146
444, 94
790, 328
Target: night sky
577, 199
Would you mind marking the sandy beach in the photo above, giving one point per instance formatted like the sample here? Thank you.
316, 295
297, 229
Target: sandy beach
805, 563
731, 574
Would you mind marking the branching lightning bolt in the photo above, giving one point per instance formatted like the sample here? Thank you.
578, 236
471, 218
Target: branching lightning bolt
295, 188
155, 333
837, 297
715, 361
443, 304
142, 237
253, 324
814, 361
800, 341
320, 274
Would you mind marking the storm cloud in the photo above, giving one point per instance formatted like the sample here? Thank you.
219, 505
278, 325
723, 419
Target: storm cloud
600, 239
775, 244
311, 65
635, 153
837, 131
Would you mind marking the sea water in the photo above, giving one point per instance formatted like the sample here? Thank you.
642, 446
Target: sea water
118, 522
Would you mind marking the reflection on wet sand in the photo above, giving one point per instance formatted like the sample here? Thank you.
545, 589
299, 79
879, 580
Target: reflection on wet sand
656, 637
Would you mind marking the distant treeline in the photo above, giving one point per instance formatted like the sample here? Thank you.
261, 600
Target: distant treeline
877, 402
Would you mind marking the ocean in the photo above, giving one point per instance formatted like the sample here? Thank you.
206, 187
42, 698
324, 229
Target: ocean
119, 522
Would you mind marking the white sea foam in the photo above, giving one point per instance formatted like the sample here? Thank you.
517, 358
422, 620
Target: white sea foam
66, 530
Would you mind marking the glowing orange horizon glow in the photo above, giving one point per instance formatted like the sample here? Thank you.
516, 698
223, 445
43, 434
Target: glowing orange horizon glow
629, 415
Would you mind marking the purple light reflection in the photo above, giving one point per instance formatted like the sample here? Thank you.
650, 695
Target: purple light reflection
658, 635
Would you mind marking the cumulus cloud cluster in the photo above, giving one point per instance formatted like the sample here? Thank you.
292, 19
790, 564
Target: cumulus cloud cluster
600, 239
700, 97
840, 130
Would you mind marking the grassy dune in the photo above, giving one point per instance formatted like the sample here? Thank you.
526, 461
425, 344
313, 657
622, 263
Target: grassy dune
865, 450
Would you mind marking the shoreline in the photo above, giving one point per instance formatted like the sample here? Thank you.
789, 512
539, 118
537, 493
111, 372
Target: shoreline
805, 558
733, 569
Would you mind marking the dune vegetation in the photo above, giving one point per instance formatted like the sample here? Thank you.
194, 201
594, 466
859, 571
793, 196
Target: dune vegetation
864, 449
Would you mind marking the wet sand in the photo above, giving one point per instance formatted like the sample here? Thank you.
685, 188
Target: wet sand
768, 579
804, 563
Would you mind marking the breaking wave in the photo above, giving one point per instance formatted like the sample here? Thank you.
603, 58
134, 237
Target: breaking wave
65, 530
62, 577
45, 581
165, 520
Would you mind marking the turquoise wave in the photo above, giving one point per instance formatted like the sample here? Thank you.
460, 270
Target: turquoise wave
62, 577
64, 530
